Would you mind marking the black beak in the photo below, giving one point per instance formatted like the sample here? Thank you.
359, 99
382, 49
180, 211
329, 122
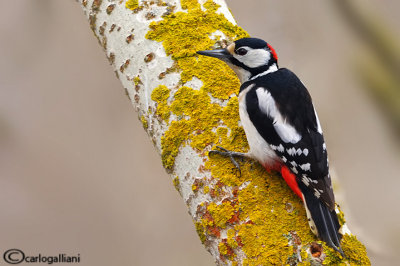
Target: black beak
219, 53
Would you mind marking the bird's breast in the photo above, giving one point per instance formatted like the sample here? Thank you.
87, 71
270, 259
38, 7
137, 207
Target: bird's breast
259, 148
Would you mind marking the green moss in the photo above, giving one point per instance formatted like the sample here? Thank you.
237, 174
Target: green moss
255, 216
132, 4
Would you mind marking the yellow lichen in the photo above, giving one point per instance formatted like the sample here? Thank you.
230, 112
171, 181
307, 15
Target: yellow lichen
200, 232
304, 256
189, 4
210, 5
144, 122
231, 238
184, 33
356, 253
305, 263
221, 213
222, 86
255, 216
262, 203
161, 95
223, 250
132, 4
176, 183
341, 218
137, 80
197, 119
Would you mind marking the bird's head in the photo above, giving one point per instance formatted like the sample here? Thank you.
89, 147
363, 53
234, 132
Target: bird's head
248, 57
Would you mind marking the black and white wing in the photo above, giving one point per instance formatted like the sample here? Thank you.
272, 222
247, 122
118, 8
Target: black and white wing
281, 110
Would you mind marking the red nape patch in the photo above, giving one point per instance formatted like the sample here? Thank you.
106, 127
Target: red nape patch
273, 52
290, 179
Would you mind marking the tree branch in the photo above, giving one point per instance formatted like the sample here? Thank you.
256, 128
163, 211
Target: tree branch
189, 104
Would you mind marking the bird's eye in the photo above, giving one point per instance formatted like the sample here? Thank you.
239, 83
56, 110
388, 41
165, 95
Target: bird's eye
241, 51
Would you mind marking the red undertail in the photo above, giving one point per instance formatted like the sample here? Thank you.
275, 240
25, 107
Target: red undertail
290, 179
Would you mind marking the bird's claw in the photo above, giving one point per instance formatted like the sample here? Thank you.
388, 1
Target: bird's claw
230, 154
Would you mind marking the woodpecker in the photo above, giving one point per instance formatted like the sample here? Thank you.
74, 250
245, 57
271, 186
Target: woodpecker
283, 130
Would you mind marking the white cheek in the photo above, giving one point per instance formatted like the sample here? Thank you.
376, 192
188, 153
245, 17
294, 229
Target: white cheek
242, 74
254, 58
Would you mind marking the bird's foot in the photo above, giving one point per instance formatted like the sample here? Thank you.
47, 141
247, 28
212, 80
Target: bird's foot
230, 154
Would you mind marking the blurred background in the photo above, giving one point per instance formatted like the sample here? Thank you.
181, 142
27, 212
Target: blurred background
78, 174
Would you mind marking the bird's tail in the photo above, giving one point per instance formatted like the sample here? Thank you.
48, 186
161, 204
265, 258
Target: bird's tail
323, 222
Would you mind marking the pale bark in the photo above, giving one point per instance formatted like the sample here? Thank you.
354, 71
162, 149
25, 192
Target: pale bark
138, 63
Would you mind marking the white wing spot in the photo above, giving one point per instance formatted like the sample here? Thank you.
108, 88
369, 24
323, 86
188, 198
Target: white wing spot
291, 151
280, 148
324, 146
299, 151
284, 159
305, 181
317, 194
306, 167
273, 147
305, 151
294, 170
293, 163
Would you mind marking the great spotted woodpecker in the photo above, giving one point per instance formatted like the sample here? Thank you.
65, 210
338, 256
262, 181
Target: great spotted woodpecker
283, 130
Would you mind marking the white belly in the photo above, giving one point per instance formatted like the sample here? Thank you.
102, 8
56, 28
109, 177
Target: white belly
259, 148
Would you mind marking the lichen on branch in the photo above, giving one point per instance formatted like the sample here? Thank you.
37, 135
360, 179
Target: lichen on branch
247, 219
262, 214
